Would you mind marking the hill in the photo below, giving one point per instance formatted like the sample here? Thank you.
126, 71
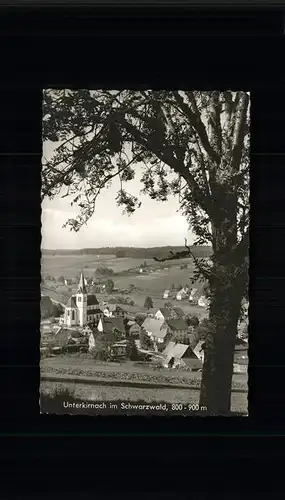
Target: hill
132, 252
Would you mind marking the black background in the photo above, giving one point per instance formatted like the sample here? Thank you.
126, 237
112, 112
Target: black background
128, 48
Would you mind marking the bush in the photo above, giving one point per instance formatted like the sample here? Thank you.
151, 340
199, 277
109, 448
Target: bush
139, 319
109, 286
192, 321
134, 354
148, 304
103, 271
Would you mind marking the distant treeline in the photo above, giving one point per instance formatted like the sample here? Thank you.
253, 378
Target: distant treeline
133, 252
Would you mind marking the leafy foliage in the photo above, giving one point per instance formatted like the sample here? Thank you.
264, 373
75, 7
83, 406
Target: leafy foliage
109, 286
148, 303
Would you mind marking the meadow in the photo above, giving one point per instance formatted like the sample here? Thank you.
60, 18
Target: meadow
152, 284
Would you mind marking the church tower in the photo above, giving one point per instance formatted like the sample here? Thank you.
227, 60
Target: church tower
81, 301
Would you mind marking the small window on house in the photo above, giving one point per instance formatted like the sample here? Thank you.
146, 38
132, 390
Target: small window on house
73, 316
79, 299
68, 312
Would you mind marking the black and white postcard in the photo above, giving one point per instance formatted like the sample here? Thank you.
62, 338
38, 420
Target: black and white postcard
145, 239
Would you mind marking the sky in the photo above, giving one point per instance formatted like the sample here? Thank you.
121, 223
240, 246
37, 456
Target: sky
156, 223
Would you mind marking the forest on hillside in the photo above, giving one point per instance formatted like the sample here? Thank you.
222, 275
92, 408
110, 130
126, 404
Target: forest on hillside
133, 252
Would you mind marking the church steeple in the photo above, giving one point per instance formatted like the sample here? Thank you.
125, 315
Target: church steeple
81, 285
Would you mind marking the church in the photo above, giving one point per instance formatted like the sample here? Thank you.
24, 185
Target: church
81, 308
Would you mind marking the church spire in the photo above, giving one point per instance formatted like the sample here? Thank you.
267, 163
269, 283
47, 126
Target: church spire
81, 285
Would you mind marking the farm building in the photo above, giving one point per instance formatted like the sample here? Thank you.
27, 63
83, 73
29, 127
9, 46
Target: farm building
169, 313
177, 326
108, 325
158, 331
166, 294
81, 308
181, 355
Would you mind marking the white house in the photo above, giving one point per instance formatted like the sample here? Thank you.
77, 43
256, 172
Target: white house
157, 330
68, 281
169, 313
166, 294
81, 308
203, 301
182, 294
199, 350
180, 355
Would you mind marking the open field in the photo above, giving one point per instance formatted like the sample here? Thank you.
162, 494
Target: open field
70, 265
153, 283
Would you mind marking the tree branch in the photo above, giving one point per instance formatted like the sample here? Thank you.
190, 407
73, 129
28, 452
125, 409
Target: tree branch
195, 120
239, 128
167, 158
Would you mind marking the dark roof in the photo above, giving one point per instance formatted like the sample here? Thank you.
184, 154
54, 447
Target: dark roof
179, 312
110, 323
75, 335
71, 301
172, 312
95, 310
177, 324
92, 300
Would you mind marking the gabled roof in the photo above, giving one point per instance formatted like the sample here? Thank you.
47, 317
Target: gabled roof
92, 300
71, 302
168, 348
176, 324
110, 323
198, 349
156, 326
180, 313
181, 351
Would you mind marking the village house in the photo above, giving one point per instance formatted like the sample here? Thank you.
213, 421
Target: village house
177, 326
114, 311
158, 331
203, 301
180, 355
133, 328
199, 350
166, 294
68, 281
119, 349
170, 313
108, 325
182, 294
81, 308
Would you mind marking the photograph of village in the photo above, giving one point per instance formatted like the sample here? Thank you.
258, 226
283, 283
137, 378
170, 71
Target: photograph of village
144, 263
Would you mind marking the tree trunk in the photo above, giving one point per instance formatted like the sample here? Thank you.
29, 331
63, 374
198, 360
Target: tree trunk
219, 353
226, 295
